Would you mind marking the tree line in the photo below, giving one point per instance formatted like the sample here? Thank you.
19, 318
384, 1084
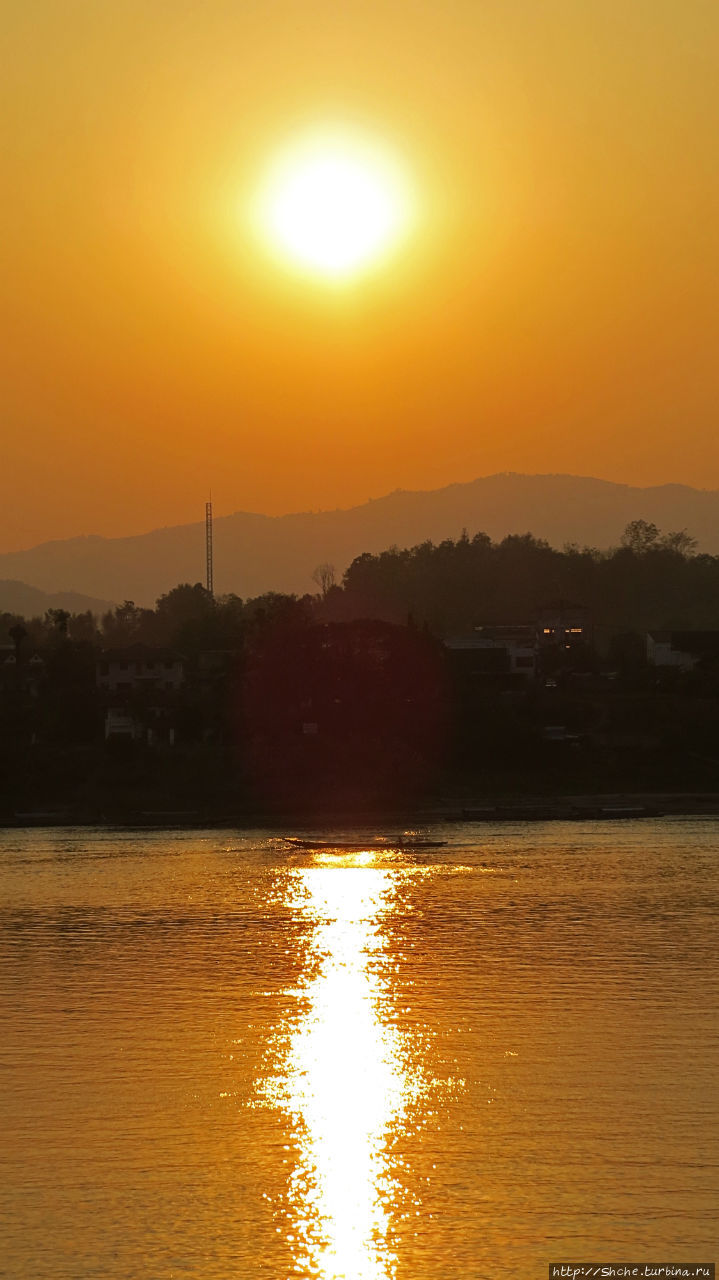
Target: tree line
325, 700
651, 580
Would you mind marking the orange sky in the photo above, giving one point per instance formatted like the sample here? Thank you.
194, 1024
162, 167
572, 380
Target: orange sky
556, 309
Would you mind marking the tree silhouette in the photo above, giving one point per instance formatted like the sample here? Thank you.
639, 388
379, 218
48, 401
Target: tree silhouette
324, 576
640, 536
679, 541
18, 633
58, 620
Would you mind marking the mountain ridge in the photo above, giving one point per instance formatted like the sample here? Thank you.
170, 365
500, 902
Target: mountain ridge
30, 602
256, 552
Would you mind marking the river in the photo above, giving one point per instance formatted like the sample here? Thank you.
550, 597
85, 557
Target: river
223, 1058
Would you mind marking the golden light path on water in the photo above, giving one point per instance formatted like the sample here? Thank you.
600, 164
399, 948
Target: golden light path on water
343, 1081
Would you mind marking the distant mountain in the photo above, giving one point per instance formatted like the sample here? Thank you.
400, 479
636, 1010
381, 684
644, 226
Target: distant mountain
29, 602
256, 553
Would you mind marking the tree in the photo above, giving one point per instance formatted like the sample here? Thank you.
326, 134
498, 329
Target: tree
58, 620
18, 633
680, 541
640, 536
122, 626
184, 606
324, 576
83, 627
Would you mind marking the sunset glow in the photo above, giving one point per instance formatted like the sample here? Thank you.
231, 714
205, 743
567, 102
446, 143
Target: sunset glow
359, 638
333, 204
353, 249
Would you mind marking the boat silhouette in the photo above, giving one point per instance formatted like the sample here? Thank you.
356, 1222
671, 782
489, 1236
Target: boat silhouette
371, 844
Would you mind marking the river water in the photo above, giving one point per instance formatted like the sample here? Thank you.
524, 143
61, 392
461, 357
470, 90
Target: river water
225, 1059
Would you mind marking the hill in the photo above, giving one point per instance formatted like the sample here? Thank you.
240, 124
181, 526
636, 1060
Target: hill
256, 553
29, 602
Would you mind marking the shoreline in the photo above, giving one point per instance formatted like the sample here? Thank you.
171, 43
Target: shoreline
588, 807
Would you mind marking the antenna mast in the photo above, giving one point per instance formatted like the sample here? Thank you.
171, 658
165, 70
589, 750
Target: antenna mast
208, 546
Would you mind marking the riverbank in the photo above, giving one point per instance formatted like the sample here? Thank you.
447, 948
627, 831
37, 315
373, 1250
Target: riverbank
608, 806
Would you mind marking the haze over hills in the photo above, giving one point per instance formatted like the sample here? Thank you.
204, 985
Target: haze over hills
29, 602
256, 553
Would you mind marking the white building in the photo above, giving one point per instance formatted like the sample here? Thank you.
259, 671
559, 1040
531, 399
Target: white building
516, 642
683, 650
139, 667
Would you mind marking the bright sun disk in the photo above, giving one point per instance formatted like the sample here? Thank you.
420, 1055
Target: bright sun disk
333, 205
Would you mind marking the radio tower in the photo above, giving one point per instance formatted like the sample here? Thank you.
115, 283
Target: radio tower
208, 545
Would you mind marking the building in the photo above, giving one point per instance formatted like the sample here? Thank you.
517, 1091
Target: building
564, 624
154, 726
140, 685
559, 639
139, 667
500, 650
683, 650
23, 675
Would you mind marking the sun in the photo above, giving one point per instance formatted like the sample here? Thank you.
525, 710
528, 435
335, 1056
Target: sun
333, 204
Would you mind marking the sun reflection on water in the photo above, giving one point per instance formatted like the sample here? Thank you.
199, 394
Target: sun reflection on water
343, 1081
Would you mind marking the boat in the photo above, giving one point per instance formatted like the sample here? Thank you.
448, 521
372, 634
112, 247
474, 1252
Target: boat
371, 844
